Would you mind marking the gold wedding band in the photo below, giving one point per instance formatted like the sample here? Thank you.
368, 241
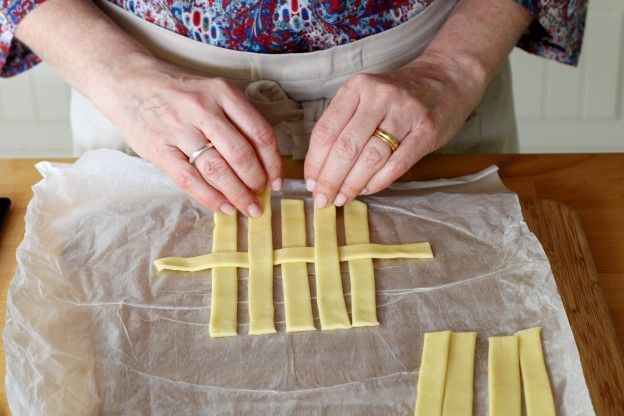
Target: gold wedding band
388, 138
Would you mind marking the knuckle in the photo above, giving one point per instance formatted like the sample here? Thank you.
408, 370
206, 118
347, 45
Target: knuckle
359, 78
388, 90
242, 153
372, 155
326, 184
194, 98
194, 102
323, 133
211, 201
349, 191
427, 125
412, 102
257, 182
240, 198
398, 167
221, 82
187, 178
215, 168
264, 135
373, 188
346, 148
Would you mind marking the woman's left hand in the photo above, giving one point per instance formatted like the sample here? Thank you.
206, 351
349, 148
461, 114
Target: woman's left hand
423, 105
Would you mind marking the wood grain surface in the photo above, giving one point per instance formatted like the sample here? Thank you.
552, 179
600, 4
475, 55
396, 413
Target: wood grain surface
560, 232
591, 184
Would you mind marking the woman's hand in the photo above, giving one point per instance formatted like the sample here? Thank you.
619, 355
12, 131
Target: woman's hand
423, 105
166, 114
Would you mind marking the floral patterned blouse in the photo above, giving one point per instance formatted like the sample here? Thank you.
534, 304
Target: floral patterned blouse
280, 26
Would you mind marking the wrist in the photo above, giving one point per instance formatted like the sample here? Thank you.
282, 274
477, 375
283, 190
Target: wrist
465, 72
114, 84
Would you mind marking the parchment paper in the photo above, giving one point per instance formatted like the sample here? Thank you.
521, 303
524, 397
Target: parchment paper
92, 327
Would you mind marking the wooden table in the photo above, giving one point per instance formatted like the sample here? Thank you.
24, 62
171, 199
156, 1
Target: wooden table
592, 185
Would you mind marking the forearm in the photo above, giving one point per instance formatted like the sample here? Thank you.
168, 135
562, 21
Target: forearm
90, 53
475, 41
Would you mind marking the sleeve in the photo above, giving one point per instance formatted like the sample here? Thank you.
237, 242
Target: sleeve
15, 57
557, 31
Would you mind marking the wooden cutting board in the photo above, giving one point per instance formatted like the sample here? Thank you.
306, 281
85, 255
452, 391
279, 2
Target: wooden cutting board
559, 230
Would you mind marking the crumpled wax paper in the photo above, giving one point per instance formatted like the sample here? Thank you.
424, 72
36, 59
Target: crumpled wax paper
92, 327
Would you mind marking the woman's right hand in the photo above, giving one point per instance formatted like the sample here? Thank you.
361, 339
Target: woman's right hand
166, 113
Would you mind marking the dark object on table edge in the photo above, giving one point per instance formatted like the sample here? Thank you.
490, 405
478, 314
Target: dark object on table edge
5, 204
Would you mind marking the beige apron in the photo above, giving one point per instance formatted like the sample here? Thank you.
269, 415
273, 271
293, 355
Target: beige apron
292, 90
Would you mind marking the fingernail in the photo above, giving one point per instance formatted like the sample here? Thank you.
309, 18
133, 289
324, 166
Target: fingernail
310, 184
276, 185
227, 209
320, 201
254, 210
340, 200
364, 191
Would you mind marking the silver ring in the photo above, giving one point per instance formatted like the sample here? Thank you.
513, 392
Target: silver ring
197, 153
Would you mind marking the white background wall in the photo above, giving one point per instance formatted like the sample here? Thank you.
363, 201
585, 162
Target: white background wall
559, 108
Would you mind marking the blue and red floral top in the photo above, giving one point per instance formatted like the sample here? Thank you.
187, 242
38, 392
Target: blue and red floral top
280, 26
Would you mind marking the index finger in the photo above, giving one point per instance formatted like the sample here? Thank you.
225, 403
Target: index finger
259, 132
333, 120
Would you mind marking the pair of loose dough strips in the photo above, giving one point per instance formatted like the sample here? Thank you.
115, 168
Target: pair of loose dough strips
445, 381
507, 357
223, 316
361, 271
445, 384
330, 298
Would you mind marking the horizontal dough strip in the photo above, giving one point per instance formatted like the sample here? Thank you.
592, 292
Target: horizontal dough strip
296, 255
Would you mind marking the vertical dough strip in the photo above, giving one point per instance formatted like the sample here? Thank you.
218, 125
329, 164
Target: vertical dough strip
260, 241
329, 295
458, 390
504, 389
538, 396
361, 271
432, 374
224, 296
297, 303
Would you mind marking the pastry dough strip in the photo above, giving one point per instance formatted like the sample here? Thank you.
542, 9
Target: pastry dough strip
329, 296
458, 390
361, 271
432, 374
260, 242
504, 391
297, 303
224, 296
538, 396
296, 255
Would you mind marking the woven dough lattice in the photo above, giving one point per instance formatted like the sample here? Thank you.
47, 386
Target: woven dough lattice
326, 255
